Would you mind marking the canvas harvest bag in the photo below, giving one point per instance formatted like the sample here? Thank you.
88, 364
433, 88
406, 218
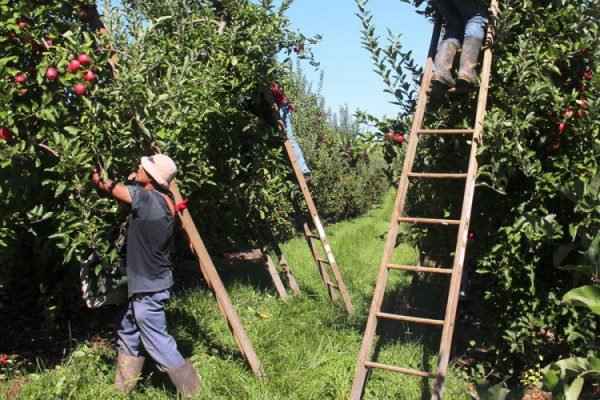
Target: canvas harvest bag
103, 286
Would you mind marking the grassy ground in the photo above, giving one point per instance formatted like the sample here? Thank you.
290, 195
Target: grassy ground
307, 345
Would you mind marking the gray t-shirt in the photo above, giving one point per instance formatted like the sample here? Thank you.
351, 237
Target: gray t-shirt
149, 242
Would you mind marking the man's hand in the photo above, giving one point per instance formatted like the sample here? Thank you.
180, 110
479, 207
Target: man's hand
118, 191
97, 176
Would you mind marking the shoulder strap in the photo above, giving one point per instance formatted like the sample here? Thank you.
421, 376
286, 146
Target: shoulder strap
170, 204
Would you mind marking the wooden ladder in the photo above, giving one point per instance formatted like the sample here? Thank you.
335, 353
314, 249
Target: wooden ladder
311, 237
447, 324
332, 286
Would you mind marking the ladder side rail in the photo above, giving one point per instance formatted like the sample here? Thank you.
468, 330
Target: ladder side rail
315, 252
460, 252
367, 344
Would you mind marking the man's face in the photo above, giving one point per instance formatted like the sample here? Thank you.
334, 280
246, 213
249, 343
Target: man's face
141, 176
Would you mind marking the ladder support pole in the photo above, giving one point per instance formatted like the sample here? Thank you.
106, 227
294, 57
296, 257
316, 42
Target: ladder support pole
212, 277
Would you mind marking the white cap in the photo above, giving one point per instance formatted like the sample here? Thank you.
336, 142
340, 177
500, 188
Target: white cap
161, 168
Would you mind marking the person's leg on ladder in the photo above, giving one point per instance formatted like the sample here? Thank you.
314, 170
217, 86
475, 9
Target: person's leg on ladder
474, 14
453, 32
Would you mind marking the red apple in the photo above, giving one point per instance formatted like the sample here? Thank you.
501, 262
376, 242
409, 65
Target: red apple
21, 24
579, 114
20, 78
83, 59
320, 113
89, 76
587, 174
581, 103
568, 113
399, 139
73, 66
555, 143
297, 49
48, 42
389, 135
51, 73
587, 75
580, 87
471, 235
5, 133
561, 127
80, 89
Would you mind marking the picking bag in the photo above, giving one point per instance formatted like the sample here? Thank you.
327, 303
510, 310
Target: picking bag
100, 285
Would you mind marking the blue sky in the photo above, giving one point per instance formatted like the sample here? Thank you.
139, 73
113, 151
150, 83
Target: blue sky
349, 77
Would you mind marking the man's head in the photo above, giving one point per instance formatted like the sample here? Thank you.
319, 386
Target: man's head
160, 168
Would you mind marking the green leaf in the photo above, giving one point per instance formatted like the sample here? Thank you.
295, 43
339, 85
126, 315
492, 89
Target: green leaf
585, 296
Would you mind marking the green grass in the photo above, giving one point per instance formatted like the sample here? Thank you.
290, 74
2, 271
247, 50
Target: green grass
307, 345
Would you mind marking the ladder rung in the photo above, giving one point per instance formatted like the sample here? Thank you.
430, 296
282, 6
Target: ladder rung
406, 318
462, 89
445, 131
424, 374
322, 261
311, 235
429, 221
435, 175
420, 269
333, 285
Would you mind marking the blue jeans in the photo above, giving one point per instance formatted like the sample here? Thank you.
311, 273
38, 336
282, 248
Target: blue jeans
286, 116
144, 324
462, 18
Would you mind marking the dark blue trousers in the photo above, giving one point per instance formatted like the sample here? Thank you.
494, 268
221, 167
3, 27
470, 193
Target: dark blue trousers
144, 324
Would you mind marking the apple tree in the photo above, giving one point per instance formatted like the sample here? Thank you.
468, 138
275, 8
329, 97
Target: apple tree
174, 75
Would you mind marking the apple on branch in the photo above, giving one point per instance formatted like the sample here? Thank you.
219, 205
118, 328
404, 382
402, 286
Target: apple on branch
51, 73
73, 66
80, 89
89, 76
5, 133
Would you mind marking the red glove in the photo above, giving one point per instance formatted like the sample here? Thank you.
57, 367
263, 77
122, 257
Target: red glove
181, 206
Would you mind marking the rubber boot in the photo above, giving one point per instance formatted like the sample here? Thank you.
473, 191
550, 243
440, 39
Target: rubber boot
468, 61
443, 64
186, 380
128, 372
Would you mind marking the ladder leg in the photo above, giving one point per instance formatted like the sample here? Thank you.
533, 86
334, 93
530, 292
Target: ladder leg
283, 262
269, 262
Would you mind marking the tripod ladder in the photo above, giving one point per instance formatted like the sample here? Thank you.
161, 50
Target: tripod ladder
331, 285
375, 314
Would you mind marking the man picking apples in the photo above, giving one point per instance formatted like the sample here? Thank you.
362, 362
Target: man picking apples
143, 326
